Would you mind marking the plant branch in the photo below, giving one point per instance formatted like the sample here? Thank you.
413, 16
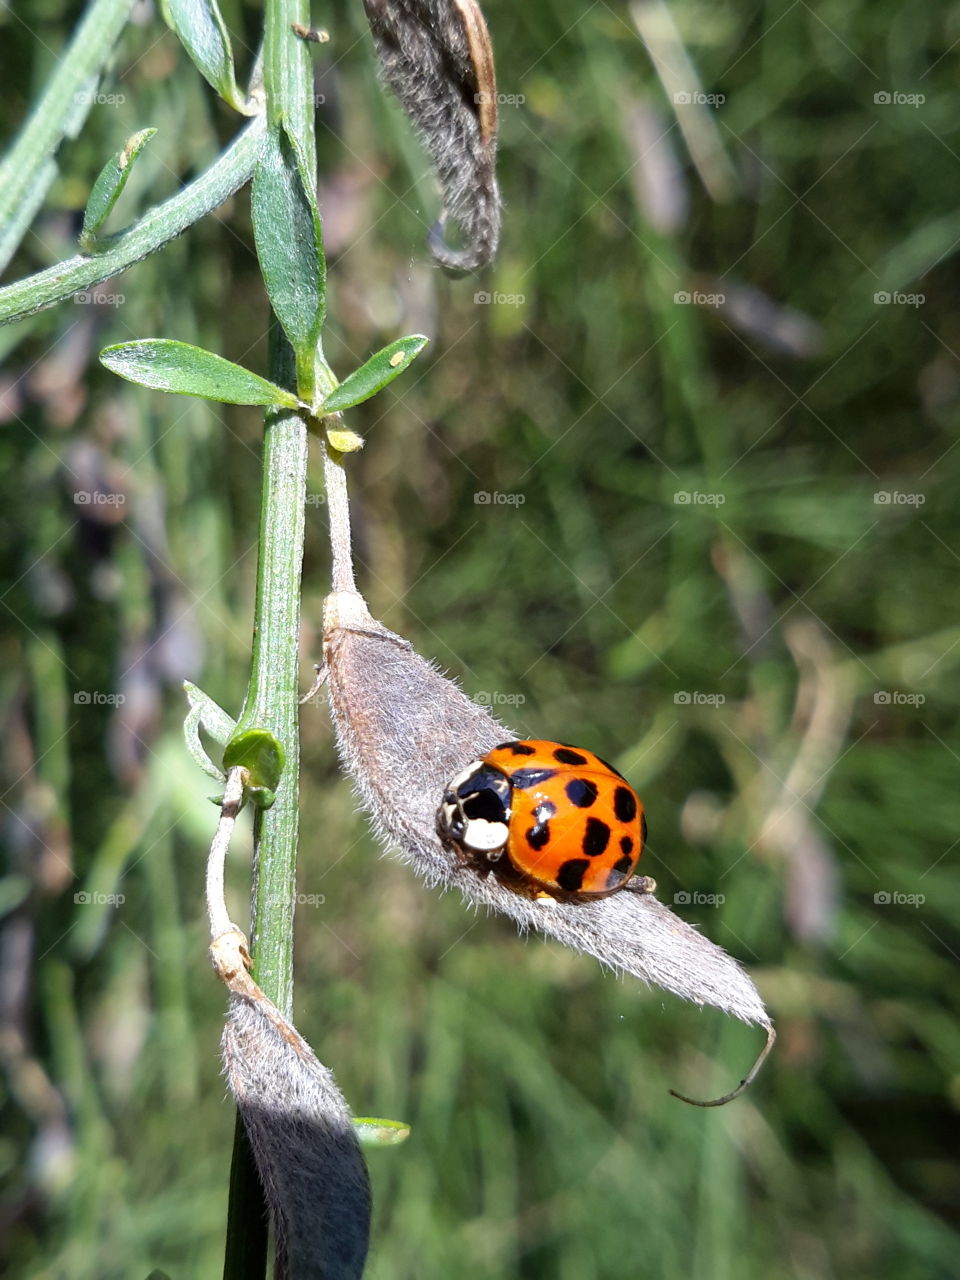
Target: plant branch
28, 170
220, 922
165, 222
272, 702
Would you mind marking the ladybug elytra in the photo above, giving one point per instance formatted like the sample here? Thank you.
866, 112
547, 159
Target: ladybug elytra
551, 820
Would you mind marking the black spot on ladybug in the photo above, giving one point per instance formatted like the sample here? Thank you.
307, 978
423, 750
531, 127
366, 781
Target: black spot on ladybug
517, 748
581, 792
643, 830
539, 836
485, 804
624, 804
566, 755
524, 778
544, 810
626, 844
624, 866
570, 876
595, 838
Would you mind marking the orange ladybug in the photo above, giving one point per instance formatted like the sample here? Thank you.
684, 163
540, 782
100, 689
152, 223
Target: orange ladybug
549, 819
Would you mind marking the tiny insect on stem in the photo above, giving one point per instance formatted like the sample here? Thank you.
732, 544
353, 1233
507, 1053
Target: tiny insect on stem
747, 1079
310, 34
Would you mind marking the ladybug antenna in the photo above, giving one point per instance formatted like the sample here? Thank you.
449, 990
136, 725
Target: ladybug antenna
747, 1079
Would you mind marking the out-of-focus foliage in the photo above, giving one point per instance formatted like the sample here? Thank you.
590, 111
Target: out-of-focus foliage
677, 482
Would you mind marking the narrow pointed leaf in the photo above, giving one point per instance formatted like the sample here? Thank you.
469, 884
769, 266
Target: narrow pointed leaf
212, 717
108, 186
375, 374
203, 33
289, 239
186, 370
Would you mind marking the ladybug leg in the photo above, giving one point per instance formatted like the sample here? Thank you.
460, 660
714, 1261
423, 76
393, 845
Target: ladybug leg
641, 884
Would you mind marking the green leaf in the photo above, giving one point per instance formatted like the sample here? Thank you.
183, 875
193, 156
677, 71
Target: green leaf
261, 754
220, 726
186, 370
375, 374
373, 1132
203, 33
289, 239
106, 190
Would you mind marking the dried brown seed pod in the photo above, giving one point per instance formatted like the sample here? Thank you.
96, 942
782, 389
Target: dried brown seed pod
404, 730
437, 58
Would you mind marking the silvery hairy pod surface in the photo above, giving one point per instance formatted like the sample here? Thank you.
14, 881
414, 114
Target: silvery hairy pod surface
404, 730
301, 1134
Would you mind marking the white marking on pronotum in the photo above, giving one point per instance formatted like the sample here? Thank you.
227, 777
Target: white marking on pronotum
485, 837
465, 775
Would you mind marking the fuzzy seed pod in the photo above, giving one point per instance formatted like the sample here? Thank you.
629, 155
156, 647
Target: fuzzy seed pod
404, 731
300, 1130
436, 57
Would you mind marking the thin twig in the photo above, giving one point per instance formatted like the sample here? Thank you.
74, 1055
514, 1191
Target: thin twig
220, 921
338, 511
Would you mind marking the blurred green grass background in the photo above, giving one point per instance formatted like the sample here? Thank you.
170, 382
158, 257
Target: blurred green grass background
684, 564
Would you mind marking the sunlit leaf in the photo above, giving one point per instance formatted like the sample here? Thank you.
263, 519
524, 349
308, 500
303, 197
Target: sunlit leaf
289, 239
166, 365
203, 33
375, 374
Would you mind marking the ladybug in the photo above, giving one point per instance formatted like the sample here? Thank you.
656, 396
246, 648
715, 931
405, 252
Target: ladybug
552, 821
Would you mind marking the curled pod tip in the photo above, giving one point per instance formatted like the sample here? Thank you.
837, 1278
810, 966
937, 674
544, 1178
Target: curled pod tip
436, 57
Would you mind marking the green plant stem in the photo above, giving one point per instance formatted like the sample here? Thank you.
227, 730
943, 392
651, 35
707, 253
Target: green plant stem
230, 171
272, 701
28, 168
288, 76
273, 692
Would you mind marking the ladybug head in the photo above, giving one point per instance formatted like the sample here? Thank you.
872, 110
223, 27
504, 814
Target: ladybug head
474, 814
